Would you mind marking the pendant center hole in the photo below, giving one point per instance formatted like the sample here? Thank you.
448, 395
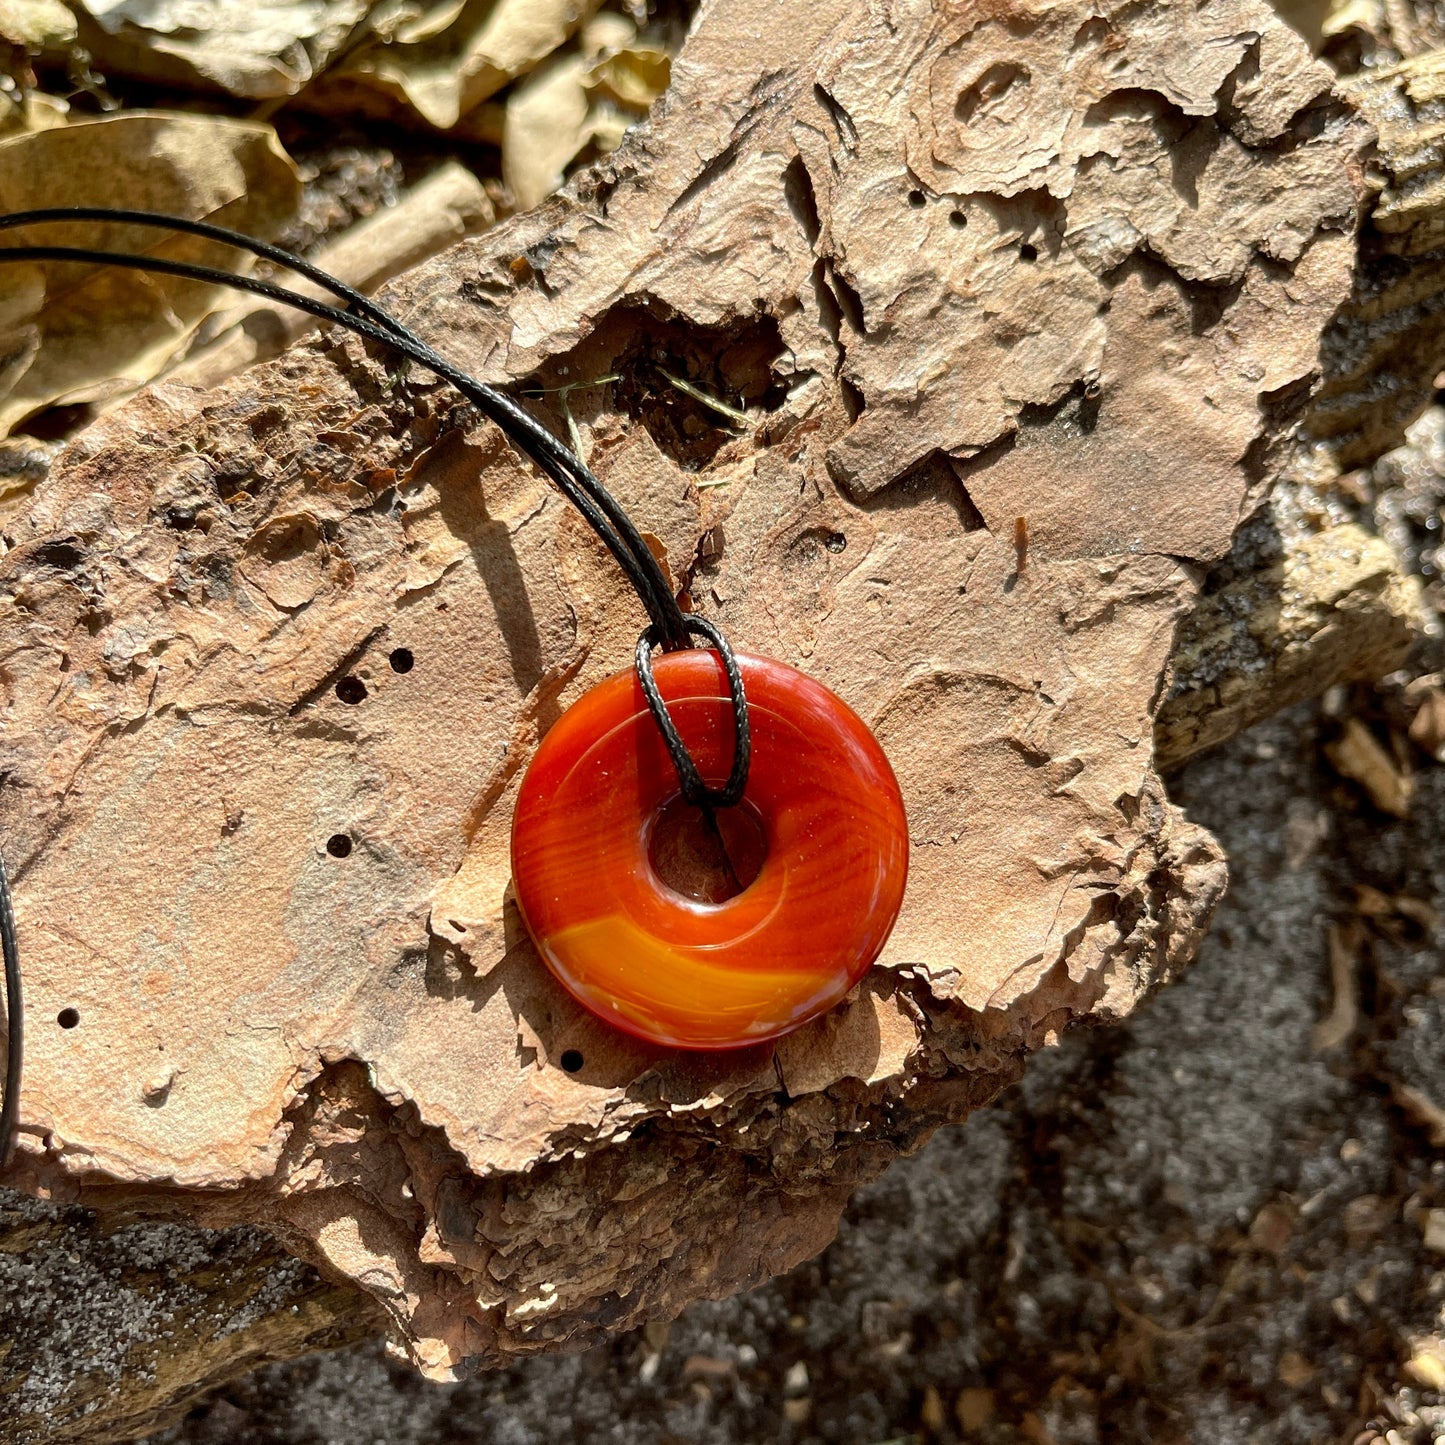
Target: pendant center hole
707, 860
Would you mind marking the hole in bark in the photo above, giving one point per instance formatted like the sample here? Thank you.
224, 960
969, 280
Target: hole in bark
957, 220
401, 659
1074, 415
651, 353
339, 845
806, 556
1028, 252
351, 690
708, 864
62, 552
571, 1060
917, 199
67, 1018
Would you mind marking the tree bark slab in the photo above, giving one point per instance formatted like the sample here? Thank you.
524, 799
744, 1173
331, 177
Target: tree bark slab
961, 267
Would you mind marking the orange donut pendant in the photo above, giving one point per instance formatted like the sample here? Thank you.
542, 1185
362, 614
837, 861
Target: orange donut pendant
815, 856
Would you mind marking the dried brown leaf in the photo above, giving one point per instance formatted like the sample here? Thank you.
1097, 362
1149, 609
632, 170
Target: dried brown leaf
1417, 910
633, 76
425, 219
1426, 1365
262, 49
80, 333
1307, 16
31, 112
1432, 1229
586, 97
455, 55
1344, 1013
1372, 903
1420, 1107
37, 24
973, 1409
1294, 1371
1358, 755
1427, 727
547, 125
1272, 1228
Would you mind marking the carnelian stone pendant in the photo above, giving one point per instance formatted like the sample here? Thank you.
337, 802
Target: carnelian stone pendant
818, 849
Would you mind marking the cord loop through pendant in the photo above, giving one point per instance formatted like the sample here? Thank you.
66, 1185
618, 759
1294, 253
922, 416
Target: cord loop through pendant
693, 788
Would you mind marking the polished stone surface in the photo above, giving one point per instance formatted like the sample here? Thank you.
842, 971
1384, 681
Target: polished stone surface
679, 969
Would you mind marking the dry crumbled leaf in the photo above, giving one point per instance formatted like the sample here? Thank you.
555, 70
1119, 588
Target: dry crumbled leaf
633, 76
708, 1367
1309, 17
1417, 910
1426, 1365
577, 100
547, 125
31, 111
1294, 1371
37, 24
1389, 912
262, 49
454, 55
1432, 1227
1427, 727
931, 1414
1344, 15
1420, 1107
1273, 1227
973, 1409
425, 219
74, 332
1358, 755
1344, 1012
1370, 902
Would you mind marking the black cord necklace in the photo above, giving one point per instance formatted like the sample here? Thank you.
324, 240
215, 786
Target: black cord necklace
660, 976
670, 627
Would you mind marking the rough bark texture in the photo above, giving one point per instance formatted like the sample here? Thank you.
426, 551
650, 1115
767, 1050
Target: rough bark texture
962, 265
110, 1328
1382, 352
1290, 613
